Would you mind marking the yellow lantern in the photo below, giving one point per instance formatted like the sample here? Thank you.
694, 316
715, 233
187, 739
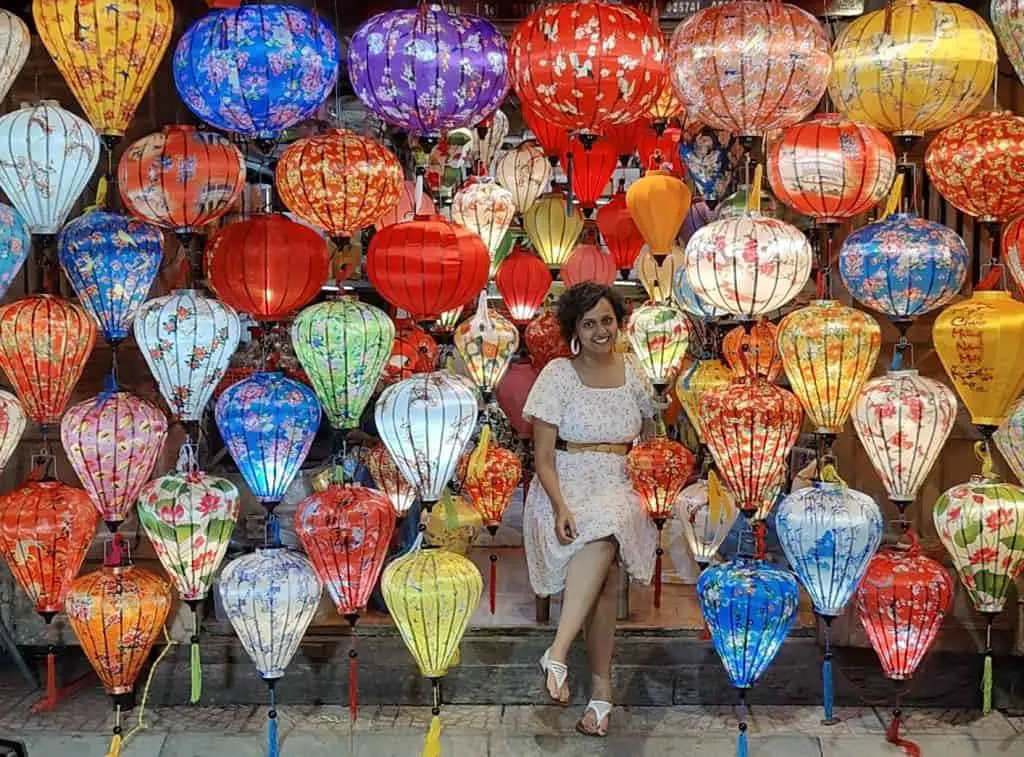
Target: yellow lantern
107, 53
658, 203
706, 373
659, 335
912, 67
657, 277
980, 342
828, 350
552, 230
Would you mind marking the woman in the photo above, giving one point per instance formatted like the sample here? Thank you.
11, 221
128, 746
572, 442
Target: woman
586, 413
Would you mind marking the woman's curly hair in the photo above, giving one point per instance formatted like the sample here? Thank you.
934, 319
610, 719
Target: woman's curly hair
578, 300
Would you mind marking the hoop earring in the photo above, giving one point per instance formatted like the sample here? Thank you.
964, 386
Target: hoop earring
574, 346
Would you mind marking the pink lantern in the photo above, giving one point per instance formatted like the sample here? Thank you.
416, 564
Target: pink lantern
405, 210
589, 263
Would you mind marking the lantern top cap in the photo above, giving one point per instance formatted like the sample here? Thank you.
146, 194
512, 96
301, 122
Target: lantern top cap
902, 372
48, 103
991, 294
168, 128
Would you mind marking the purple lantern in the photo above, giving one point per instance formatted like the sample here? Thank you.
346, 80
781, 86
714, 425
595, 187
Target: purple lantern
427, 70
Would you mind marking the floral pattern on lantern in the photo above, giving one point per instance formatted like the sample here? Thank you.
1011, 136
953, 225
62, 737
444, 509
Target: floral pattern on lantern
389, 479
487, 209
658, 469
1008, 22
525, 172
12, 426
490, 484
15, 241
659, 336
707, 512
754, 354
710, 162
486, 343
1009, 437
703, 375
544, 340
552, 229
414, 351
16, 41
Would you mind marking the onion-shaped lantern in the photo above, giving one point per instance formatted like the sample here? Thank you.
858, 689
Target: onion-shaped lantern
828, 350
706, 510
47, 157
343, 346
947, 57
16, 41
753, 354
414, 351
44, 344
187, 341
588, 263
487, 209
426, 422
486, 343
15, 239
427, 70
553, 230
749, 67
545, 341
590, 172
12, 426
111, 261
524, 172
523, 282
683, 296
658, 203
620, 233
256, 70
749, 265
390, 480
705, 374
659, 336
107, 55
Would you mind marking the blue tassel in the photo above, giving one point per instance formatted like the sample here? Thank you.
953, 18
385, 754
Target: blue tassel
272, 735
741, 741
828, 694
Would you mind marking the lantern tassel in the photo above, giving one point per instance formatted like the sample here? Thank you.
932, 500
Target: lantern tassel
272, 749
827, 687
657, 575
892, 735
741, 740
895, 195
432, 745
353, 683
492, 588
115, 742
197, 671
986, 685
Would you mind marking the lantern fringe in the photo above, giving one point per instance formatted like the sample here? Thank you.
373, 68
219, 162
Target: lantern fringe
492, 588
986, 685
895, 195
115, 742
741, 743
272, 748
432, 745
892, 735
657, 575
196, 665
827, 686
353, 683
51, 677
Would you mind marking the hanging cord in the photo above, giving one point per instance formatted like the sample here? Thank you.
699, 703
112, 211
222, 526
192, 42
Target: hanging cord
659, 554
140, 724
116, 741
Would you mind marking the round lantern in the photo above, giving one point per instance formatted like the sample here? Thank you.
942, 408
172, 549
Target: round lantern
427, 266
705, 374
706, 510
343, 346
545, 341
975, 164
524, 172
44, 344
749, 265
487, 209
486, 343
590, 172
1005, 16
980, 342
683, 296
187, 341
16, 41
180, 178
389, 479
15, 239
267, 266
339, 181
256, 70
47, 157
12, 426
831, 169
754, 353
572, 73
107, 56
414, 351
947, 58
588, 263
426, 422
553, 230
111, 262
659, 336
749, 67
828, 350
523, 282
427, 70
658, 202
903, 266
620, 233
708, 156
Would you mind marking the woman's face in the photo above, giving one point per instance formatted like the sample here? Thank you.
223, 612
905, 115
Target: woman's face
598, 329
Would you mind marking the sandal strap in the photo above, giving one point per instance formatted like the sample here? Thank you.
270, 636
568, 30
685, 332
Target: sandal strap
601, 709
558, 669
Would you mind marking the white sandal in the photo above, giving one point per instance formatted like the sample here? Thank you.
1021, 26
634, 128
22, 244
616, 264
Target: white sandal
601, 710
558, 669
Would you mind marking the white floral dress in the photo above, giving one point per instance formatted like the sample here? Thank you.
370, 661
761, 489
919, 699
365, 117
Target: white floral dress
594, 484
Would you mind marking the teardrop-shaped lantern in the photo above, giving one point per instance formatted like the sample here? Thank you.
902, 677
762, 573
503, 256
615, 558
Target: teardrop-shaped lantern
588, 263
47, 157
390, 480
408, 207
343, 346
592, 169
427, 422
489, 140
710, 164
706, 510
16, 41
658, 202
553, 230
657, 275
487, 209
1006, 20
525, 172
58, 336
620, 233
15, 239
187, 341
705, 374
523, 282
659, 336
753, 354
486, 343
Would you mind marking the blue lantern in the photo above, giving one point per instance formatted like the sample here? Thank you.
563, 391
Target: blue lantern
903, 266
710, 162
111, 261
749, 606
829, 532
15, 243
258, 69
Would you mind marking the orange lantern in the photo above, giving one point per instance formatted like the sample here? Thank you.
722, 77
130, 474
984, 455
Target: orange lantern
753, 354
706, 373
414, 351
588, 263
658, 203
665, 107
523, 280
620, 233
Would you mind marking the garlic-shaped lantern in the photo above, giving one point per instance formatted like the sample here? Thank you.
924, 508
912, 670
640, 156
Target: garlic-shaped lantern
659, 336
486, 343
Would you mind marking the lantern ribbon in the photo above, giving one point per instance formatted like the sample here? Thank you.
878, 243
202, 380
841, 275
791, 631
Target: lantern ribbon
828, 690
895, 195
195, 662
892, 735
101, 199
741, 740
432, 745
272, 749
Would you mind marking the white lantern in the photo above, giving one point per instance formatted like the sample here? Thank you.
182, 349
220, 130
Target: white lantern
1009, 438
47, 157
15, 43
489, 144
707, 512
187, 341
748, 265
525, 172
12, 426
659, 336
487, 209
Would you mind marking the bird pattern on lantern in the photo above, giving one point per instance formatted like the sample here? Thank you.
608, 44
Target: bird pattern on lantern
659, 336
15, 243
710, 161
486, 342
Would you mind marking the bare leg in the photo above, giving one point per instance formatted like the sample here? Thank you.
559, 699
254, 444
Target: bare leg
600, 635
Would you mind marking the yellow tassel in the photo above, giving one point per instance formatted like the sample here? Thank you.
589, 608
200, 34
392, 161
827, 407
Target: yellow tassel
988, 468
101, 196
115, 746
895, 195
754, 199
478, 458
829, 474
432, 746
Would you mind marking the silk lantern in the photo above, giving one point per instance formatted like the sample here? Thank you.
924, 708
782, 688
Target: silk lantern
414, 351
270, 596
487, 209
426, 422
828, 350
343, 346
410, 204
660, 152
58, 337
947, 56
389, 479
553, 230
710, 165
1005, 17
781, 50
707, 513
545, 341
490, 141
256, 70
15, 239
524, 172
659, 336
187, 341
705, 374
486, 343
658, 202
16, 41
754, 354
111, 261
657, 276
589, 173
107, 55
620, 233
588, 263
47, 157
683, 296
622, 138
12, 426
523, 282
1009, 437
554, 139
113, 442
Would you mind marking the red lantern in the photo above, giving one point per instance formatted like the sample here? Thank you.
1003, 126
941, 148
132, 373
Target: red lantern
427, 266
512, 392
660, 152
45, 342
553, 138
623, 137
591, 171
414, 351
754, 354
544, 340
588, 263
267, 266
620, 233
523, 282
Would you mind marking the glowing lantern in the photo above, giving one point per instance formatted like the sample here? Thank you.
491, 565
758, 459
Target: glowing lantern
552, 230
47, 157
544, 340
706, 510
754, 354
523, 282
665, 107
111, 262
749, 265
704, 374
947, 55
683, 296
426, 422
390, 480
590, 173
343, 346
15, 239
620, 233
749, 67
58, 336
187, 341
658, 202
406, 209
1005, 16
524, 172
486, 342
427, 266
658, 276
659, 336
414, 351
16, 42
489, 141
487, 209
588, 263
829, 350
275, 64
831, 169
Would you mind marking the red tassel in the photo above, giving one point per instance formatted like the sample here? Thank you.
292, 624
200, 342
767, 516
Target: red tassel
759, 548
657, 578
51, 679
892, 735
353, 684
705, 635
493, 588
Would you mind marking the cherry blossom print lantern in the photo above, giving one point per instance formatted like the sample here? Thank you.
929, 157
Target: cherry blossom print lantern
427, 422
753, 354
1006, 20
47, 157
180, 178
487, 209
658, 203
427, 70
544, 340
706, 510
187, 341
523, 282
111, 261
620, 233
748, 265
256, 70
45, 342
389, 479
589, 263
12, 426
15, 43
486, 342
570, 72
524, 172
553, 229
15, 240
749, 67
659, 336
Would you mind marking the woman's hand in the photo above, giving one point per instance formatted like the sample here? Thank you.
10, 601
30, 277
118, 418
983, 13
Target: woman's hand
565, 526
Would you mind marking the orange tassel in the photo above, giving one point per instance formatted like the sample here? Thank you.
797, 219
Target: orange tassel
493, 588
51, 678
657, 577
892, 735
353, 684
